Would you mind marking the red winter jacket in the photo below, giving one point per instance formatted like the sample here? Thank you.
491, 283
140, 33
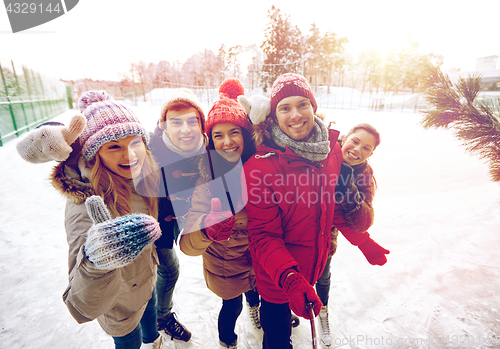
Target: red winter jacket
290, 210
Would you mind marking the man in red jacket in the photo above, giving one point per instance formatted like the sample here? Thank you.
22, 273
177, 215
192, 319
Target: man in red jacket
291, 186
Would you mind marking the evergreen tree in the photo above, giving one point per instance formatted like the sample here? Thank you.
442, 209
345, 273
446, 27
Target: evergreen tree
371, 66
313, 54
454, 106
332, 49
283, 47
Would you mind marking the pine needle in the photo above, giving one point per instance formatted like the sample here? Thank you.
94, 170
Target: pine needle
454, 106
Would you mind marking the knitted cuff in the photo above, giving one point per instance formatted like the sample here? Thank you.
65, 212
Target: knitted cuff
284, 276
97, 209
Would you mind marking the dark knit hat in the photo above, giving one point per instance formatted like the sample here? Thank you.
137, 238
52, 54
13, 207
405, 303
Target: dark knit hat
288, 85
107, 121
182, 95
226, 108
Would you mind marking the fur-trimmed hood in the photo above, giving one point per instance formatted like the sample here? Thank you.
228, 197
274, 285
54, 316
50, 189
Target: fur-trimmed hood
72, 182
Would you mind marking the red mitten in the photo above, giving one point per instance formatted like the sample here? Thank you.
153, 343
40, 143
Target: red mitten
300, 293
374, 253
218, 225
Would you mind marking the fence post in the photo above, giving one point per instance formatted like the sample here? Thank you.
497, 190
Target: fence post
30, 94
42, 91
8, 100
70, 98
26, 123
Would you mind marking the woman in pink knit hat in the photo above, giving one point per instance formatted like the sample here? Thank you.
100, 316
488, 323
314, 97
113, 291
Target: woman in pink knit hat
110, 227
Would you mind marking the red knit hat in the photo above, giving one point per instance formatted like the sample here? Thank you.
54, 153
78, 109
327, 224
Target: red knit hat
288, 85
227, 109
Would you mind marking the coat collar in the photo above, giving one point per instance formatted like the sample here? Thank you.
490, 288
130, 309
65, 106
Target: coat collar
287, 157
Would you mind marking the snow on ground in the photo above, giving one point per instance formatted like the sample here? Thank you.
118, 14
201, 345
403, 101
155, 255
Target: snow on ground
436, 210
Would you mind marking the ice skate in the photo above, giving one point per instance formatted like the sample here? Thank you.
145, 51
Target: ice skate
254, 316
325, 326
233, 345
169, 326
157, 344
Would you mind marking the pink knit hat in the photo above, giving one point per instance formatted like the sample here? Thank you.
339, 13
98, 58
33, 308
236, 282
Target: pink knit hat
107, 121
288, 85
227, 109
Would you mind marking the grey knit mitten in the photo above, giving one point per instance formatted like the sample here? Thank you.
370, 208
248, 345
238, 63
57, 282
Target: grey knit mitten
115, 243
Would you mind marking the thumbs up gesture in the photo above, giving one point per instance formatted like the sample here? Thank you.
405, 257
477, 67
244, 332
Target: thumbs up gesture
51, 141
115, 243
218, 224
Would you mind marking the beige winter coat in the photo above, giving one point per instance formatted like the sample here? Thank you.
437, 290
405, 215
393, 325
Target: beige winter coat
227, 265
116, 298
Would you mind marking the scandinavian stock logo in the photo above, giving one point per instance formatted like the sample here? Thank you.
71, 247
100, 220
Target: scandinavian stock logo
29, 14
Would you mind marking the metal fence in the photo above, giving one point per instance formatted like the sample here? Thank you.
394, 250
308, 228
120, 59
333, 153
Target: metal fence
348, 98
336, 98
28, 98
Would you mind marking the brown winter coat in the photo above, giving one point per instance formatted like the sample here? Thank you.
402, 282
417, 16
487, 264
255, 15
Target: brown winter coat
227, 265
116, 298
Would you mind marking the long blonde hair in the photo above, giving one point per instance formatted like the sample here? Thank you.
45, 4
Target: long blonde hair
116, 190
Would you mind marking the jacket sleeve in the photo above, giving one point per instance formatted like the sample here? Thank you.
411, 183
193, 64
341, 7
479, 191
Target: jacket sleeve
265, 233
91, 292
354, 237
361, 218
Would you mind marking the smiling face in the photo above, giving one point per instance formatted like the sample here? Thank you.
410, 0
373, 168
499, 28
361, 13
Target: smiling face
228, 141
184, 127
295, 117
124, 157
358, 147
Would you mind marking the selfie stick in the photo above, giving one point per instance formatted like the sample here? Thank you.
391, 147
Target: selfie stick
310, 308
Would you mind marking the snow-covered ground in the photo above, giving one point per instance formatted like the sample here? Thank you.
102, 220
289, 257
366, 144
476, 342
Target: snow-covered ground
436, 210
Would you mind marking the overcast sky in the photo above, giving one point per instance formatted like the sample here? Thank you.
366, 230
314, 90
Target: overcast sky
100, 38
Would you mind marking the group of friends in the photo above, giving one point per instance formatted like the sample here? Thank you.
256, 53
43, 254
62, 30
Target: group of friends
259, 187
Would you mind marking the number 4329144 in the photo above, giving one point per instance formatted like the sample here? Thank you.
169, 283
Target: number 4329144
31, 8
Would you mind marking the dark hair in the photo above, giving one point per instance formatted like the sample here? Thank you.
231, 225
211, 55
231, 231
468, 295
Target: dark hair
248, 144
220, 166
368, 128
179, 105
